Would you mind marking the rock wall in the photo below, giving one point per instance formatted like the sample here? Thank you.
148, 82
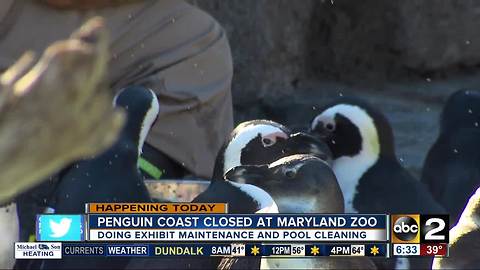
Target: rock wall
276, 44
406, 56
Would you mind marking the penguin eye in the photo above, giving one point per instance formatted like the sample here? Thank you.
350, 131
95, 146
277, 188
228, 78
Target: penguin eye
290, 173
267, 142
330, 126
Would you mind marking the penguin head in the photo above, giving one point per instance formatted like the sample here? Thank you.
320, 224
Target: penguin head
298, 183
462, 110
141, 106
351, 128
262, 142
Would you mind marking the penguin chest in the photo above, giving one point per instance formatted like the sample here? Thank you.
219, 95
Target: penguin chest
349, 171
297, 204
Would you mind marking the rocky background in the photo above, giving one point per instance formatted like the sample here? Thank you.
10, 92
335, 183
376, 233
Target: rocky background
404, 56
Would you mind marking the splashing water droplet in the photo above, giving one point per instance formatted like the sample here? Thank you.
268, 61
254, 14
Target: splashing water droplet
470, 111
428, 79
455, 151
340, 94
89, 186
476, 124
66, 196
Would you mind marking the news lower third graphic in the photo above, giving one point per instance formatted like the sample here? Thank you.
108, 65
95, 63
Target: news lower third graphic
162, 229
60, 228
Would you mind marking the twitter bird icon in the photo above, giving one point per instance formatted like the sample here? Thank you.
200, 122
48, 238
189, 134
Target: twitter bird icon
60, 227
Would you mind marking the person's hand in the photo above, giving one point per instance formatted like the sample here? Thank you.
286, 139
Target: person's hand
55, 111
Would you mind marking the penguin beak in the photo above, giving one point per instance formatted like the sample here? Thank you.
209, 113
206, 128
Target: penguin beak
304, 143
250, 174
321, 132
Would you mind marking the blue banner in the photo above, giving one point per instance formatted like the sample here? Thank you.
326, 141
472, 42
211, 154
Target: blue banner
230, 221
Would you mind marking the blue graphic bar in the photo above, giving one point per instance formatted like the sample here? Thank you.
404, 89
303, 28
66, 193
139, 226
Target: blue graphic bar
222, 221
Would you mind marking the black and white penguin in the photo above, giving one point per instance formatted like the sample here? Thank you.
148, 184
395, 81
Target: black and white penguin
364, 162
258, 142
368, 172
112, 176
241, 199
464, 239
452, 167
298, 184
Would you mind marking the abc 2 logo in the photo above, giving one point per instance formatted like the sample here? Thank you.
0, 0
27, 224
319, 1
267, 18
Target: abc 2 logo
415, 229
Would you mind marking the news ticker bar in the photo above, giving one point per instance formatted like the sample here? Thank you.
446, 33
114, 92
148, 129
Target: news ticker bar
60, 250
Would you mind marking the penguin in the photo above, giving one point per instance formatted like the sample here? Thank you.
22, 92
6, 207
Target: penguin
368, 172
241, 199
452, 167
300, 184
258, 142
464, 236
364, 161
112, 176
